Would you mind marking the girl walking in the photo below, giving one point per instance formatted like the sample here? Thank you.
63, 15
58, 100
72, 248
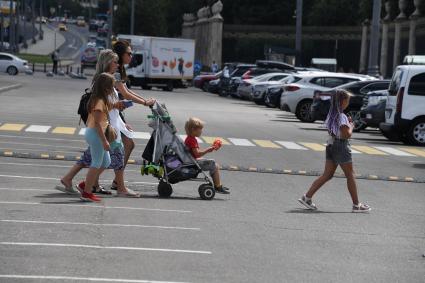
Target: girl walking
97, 123
338, 152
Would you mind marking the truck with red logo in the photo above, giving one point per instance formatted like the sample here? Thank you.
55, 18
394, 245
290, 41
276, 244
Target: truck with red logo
161, 62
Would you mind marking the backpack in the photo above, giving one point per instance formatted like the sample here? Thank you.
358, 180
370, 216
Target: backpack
82, 108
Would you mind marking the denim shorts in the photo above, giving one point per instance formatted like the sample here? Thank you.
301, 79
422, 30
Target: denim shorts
339, 152
207, 165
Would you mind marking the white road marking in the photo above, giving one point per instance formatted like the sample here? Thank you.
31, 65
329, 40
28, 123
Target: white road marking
101, 247
97, 224
37, 129
82, 132
40, 138
36, 190
47, 145
33, 164
291, 145
91, 279
142, 135
393, 151
85, 205
241, 142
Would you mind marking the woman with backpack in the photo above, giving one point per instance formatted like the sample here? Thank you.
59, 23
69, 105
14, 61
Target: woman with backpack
107, 62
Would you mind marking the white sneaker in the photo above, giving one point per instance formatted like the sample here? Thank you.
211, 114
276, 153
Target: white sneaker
307, 202
361, 208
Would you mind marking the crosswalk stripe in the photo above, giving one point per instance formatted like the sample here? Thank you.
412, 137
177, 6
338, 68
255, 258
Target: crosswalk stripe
393, 151
291, 145
142, 135
64, 130
12, 127
37, 129
368, 150
241, 142
212, 139
82, 132
266, 143
314, 146
415, 151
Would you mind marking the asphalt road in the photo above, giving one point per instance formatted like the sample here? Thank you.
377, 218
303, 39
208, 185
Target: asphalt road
258, 233
75, 38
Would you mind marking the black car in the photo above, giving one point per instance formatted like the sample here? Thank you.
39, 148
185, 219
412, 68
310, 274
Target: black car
373, 111
225, 86
273, 93
321, 101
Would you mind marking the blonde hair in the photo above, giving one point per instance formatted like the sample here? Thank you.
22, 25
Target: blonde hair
104, 61
193, 124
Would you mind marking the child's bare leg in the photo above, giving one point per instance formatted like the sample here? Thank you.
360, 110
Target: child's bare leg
67, 179
330, 168
128, 147
351, 181
216, 177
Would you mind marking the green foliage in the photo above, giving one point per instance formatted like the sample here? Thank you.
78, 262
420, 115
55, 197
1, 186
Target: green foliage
35, 58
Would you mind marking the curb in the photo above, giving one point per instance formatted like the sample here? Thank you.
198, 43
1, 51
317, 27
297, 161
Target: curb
48, 156
9, 87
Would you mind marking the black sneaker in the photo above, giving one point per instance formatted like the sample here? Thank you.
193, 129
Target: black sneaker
222, 190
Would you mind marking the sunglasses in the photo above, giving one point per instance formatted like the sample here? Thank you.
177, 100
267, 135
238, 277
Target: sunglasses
129, 53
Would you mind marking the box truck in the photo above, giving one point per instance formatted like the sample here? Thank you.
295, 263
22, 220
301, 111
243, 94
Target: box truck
166, 63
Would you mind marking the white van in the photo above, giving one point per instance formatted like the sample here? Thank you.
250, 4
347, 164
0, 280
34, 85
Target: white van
405, 109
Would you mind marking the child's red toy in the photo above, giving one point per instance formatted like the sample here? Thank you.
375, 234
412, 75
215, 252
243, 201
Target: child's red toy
217, 144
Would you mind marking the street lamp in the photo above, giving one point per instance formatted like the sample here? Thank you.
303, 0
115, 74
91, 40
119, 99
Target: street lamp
298, 36
373, 68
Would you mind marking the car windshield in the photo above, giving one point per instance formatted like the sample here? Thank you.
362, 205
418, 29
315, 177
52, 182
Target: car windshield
395, 83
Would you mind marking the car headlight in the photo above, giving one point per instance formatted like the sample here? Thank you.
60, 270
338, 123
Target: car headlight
274, 90
374, 100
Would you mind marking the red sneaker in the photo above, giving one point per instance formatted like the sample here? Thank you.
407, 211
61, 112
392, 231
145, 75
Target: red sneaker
89, 197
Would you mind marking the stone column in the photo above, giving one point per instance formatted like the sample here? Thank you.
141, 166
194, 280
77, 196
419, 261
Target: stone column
188, 26
412, 30
384, 44
216, 34
201, 35
363, 51
402, 5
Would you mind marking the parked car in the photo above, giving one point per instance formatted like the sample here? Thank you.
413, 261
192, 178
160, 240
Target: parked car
274, 90
225, 86
247, 86
12, 64
298, 97
201, 81
405, 107
321, 100
213, 86
103, 30
81, 22
373, 110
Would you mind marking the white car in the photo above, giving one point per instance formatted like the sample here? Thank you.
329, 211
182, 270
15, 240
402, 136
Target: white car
298, 97
246, 87
405, 107
12, 64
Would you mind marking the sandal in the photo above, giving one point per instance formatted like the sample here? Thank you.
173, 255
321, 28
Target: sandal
101, 190
114, 185
128, 194
68, 190
359, 208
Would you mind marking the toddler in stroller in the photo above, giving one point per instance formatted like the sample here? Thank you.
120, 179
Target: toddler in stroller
167, 158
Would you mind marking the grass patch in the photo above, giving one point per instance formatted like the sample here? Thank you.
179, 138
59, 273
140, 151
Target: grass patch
34, 58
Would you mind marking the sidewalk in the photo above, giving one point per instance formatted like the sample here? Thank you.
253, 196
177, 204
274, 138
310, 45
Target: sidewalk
47, 45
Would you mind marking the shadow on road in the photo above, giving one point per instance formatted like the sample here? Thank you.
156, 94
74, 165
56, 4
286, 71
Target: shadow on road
307, 211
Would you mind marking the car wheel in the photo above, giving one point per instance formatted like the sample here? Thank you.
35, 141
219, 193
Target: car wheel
169, 86
416, 133
12, 71
205, 86
303, 111
358, 122
223, 93
267, 101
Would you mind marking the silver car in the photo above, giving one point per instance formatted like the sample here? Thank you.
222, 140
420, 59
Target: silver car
12, 64
247, 87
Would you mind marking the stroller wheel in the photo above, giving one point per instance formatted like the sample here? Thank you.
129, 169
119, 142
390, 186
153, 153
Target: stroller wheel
164, 189
206, 192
